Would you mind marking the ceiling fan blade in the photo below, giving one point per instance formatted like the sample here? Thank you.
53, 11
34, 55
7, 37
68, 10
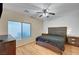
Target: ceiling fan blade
26, 11
31, 11
52, 13
40, 15
39, 12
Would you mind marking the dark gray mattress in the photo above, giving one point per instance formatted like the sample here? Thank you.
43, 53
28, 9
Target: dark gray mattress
55, 40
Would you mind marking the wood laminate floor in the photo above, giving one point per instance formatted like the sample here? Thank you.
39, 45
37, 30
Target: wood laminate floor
34, 49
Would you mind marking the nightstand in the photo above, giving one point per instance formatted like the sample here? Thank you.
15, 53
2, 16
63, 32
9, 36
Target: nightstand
73, 40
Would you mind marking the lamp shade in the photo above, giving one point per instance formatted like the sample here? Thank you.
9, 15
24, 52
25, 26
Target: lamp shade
1, 9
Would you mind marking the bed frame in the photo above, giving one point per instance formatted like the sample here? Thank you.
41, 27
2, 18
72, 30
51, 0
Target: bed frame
57, 31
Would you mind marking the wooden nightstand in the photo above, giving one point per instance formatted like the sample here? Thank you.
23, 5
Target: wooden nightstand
73, 40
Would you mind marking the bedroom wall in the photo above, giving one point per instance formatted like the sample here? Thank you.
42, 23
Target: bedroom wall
15, 16
69, 19
6, 15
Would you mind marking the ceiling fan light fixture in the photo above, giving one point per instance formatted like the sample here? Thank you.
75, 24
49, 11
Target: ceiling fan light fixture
45, 14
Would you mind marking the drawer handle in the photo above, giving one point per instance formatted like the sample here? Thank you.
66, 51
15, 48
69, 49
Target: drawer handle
73, 42
73, 39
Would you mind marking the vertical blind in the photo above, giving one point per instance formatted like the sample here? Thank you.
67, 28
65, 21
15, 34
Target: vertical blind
19, 30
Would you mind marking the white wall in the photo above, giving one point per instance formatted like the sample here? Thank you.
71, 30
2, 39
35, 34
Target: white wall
70, 19
15, 16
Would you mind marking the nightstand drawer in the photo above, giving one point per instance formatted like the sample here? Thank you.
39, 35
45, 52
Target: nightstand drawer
73, 40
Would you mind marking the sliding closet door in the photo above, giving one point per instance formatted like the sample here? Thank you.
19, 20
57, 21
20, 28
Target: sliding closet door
14, 29
26, 30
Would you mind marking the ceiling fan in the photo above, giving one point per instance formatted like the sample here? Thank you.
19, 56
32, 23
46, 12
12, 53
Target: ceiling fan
44, 13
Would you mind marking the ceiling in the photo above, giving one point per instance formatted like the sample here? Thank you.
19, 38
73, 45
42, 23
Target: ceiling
31, 8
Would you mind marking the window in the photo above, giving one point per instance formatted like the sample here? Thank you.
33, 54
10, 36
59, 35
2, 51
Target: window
26, 30
14, 29
19, 30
